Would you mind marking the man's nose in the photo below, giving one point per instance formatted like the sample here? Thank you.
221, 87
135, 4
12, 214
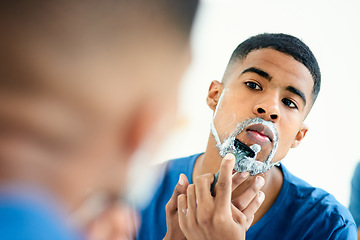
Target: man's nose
268, 109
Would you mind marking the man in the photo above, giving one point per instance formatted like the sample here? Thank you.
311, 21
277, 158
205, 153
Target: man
271, 81
84, 86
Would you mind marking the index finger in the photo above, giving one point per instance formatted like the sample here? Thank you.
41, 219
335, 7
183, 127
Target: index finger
223, 186
180, 188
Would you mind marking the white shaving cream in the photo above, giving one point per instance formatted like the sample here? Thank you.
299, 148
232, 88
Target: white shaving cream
243, 162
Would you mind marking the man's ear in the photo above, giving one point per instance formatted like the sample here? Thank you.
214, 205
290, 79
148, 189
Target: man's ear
214, 93
300, 136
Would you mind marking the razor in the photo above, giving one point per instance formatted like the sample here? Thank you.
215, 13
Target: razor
241, 152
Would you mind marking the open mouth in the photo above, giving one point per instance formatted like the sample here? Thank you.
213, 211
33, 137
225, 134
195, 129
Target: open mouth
248, 139
260, 133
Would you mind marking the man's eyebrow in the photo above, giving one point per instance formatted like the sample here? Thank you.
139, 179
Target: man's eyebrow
297, 92
259, 72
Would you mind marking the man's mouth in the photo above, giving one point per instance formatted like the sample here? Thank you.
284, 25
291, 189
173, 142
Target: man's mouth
260, 134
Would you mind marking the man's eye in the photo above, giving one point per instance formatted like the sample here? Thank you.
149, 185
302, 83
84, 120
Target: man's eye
289, 103
253, 85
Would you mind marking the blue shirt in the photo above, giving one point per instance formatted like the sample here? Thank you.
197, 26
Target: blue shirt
30, 214
299, 212
355, 195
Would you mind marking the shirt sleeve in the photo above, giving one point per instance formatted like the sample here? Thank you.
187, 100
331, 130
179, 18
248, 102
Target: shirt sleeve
355, 196
346, 232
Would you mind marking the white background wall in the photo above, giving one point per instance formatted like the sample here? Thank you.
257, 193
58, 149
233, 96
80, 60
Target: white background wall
328, 155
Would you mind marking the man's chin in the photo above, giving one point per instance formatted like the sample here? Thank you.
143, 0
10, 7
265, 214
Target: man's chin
265, 149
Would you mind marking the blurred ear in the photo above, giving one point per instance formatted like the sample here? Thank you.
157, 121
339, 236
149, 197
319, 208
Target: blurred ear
142, 121
214, 93
300, 136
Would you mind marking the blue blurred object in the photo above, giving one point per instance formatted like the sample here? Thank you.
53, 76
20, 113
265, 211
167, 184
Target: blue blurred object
355, 196
28, 213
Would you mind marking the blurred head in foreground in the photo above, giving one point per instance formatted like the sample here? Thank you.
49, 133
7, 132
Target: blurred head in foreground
84, 85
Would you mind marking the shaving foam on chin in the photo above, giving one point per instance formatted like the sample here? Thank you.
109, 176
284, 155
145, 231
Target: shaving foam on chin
245, 162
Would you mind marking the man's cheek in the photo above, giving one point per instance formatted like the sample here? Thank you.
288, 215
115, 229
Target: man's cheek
225, 123
283, 149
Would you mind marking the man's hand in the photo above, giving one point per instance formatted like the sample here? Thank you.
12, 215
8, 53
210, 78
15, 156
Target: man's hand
202, 216
172, 220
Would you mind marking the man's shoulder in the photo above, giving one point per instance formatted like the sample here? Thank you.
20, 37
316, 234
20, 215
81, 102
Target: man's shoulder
316, 198
183, 163
169, 176
316, 207
173, 168
302, 211
327, 217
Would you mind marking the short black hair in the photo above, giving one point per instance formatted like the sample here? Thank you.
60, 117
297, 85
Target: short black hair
284, 43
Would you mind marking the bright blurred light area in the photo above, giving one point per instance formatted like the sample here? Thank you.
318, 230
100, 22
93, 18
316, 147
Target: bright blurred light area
328, 155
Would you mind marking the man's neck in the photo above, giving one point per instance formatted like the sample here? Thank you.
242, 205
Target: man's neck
209, 162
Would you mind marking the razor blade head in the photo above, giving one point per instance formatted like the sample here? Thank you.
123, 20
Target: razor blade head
243, 149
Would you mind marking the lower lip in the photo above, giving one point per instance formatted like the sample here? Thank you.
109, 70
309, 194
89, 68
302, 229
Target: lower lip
257, 137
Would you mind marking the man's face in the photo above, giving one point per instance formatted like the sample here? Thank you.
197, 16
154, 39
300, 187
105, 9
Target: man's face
270, 85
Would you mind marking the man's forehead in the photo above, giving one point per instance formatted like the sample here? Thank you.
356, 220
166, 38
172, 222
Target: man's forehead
274, 60
279, 66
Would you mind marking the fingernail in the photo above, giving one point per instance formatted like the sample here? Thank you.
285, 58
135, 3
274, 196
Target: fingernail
260, 181
244, 174
181, 180
229, 156
261, 196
